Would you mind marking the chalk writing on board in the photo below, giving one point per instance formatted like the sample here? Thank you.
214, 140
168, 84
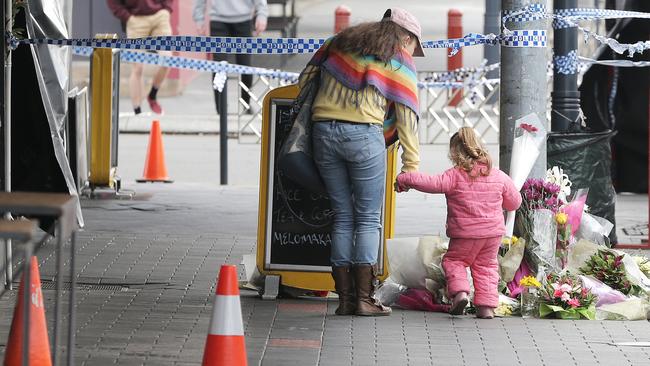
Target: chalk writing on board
322, 239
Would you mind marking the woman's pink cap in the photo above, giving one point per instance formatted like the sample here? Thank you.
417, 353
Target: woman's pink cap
409, 22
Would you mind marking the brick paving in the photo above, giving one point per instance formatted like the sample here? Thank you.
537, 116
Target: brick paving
147, 272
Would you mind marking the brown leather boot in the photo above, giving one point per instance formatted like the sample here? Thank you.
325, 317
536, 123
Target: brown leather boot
344, 285
365, 278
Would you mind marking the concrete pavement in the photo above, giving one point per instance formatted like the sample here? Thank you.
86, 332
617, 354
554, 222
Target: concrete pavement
147, 271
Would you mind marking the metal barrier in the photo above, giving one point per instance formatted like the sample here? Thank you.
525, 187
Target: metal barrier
249, 115
439, 120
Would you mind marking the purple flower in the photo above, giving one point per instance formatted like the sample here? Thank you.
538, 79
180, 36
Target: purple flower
618, 260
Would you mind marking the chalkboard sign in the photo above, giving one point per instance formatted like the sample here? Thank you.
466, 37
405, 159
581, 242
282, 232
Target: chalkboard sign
294, 223
301, 221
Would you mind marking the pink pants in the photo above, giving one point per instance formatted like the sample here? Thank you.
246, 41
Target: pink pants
480, 255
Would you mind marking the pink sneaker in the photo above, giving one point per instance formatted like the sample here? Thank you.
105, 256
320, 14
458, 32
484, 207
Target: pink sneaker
459, 303
155, 107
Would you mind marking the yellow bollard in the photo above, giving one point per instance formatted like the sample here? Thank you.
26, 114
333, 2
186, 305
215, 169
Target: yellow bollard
104, 86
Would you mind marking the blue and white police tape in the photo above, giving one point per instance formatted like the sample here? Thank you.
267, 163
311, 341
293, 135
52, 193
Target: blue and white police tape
228, 45
462, 73
614, 63
518, 38
568, 17
529, 13
221, 68
574, 64
194, 64
252, 45
564, 18
566, 64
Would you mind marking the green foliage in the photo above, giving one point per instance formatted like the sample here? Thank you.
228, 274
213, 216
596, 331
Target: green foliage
608, 267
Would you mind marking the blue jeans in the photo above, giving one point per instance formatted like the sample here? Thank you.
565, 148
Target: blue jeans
352, 162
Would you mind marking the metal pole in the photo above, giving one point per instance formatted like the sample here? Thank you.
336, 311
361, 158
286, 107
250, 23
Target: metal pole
72, 326
565, 98
492, 24
7, 134
523, 87
58, 288
223, 133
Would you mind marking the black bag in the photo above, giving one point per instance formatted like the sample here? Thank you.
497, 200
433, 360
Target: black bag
295, 158
586, 158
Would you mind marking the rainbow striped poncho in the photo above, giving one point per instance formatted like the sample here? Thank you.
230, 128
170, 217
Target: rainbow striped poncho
396, 81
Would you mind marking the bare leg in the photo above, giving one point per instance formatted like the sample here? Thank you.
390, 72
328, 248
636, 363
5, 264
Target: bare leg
161, 72
159, 77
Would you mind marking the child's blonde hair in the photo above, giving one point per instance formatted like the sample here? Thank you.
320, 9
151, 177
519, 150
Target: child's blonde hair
466, 149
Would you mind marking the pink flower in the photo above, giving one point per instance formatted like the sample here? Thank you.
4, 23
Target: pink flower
565, 297
527, 127
574, 303
558, 293
565, 287
618, 260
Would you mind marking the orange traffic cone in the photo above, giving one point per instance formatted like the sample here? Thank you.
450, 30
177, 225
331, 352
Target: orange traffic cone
225, 344
154, 167
39, 344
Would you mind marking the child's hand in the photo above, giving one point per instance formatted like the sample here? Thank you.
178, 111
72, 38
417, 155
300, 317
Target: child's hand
401, 184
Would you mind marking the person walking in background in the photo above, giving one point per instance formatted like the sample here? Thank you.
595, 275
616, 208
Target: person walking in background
144, 18
365, 74
476, 196
233, 18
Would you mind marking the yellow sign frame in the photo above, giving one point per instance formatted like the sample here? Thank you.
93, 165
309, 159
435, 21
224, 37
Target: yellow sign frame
317, 281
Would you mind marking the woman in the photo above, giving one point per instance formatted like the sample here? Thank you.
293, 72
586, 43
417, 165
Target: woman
366, 76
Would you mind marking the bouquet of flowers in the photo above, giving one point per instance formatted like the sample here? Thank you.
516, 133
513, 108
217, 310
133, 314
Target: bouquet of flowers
529, 296
556, 176
564, 297
507, 306
529, 138
644, 264
608, 268
540, 194
536, 222
511, 252
563, 237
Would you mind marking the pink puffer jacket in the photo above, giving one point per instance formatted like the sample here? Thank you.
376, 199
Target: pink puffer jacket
474, 205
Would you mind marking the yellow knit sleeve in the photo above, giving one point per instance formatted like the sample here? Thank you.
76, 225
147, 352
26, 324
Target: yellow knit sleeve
407, 126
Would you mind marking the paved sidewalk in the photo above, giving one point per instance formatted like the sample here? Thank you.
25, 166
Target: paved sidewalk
147, 270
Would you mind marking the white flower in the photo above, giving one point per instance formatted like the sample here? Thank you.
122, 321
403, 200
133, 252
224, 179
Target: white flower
565, 287
555, 286
556, 175
565, 297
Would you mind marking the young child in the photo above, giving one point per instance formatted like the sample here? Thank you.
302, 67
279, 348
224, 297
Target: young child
476, 196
